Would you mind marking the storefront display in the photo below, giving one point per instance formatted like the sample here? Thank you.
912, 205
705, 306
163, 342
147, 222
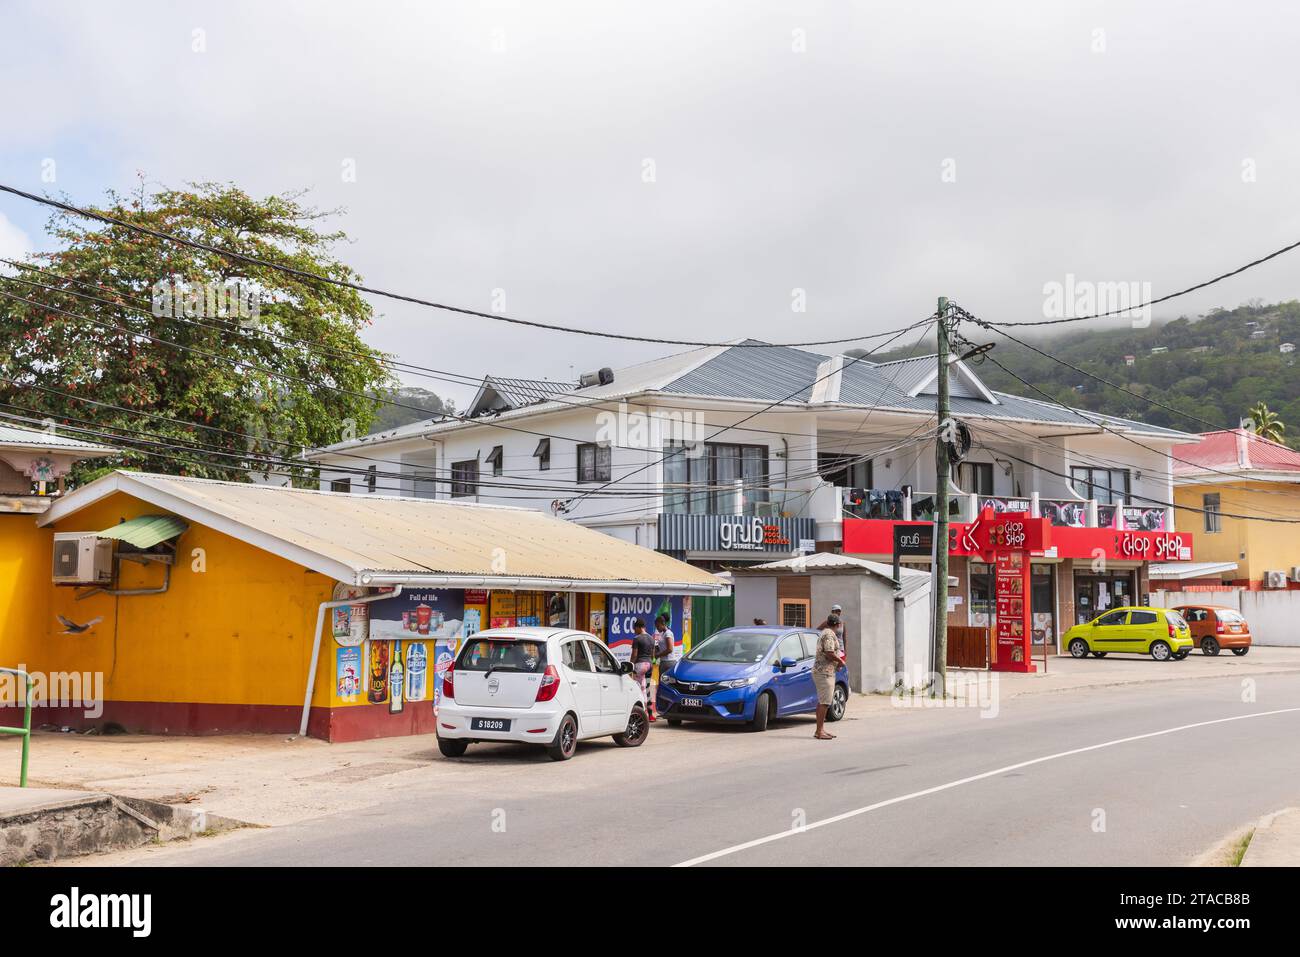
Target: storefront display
623, 610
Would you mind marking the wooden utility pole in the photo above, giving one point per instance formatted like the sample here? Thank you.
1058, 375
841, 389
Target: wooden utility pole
942, 468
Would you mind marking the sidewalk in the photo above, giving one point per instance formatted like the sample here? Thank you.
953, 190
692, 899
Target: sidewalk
274, 780
1276, 842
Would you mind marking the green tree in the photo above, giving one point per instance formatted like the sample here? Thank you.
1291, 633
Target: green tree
1266, 424
306, 379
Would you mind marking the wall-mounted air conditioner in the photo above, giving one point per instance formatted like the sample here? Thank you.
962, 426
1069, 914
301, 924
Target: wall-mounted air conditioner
82, 558
1275, 579
1295, 573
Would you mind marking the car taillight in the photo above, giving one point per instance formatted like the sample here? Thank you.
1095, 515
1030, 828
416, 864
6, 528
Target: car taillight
550, 684
1170, 626
449, 682
1219, 629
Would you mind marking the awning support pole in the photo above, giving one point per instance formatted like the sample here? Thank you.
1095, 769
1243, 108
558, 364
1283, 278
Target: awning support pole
315, 647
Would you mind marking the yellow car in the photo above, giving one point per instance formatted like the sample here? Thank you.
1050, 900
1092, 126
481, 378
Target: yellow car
1159, 632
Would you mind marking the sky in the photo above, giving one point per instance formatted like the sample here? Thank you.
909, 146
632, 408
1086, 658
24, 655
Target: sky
780, 170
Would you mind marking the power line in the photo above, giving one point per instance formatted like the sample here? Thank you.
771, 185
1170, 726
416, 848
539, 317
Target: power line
400, 297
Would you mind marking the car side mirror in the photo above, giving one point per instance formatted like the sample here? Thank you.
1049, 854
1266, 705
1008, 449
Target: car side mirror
625, 668
787, 663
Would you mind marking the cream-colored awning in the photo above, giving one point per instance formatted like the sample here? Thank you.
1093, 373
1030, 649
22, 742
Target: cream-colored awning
387, 540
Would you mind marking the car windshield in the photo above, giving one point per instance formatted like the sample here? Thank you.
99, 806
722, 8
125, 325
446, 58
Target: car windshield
502, 654
733, 646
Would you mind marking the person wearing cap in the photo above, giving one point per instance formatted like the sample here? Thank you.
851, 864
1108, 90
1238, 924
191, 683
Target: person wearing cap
838, 612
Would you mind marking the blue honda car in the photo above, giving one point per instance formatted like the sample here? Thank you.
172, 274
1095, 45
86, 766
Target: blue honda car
747, 676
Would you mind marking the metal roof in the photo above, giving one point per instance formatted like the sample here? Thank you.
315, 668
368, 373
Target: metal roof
1181, 571
16, 436
380, 539
912, 579
1236, 450
514, 393
146, 531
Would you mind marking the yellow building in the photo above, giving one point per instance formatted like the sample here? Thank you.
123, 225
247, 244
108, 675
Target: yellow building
1237, 473
205, 606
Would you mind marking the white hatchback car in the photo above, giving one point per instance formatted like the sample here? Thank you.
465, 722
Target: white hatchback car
547, 686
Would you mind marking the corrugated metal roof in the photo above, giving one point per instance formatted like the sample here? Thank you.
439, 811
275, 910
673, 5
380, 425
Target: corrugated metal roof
763, 374
912, 579
523, 391
16, 436
358, 538
1234, 450
146, 531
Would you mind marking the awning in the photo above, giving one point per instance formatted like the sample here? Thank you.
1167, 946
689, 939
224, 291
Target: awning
1181, 571
147, 530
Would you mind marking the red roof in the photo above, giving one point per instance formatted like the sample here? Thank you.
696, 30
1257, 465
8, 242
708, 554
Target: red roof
1234, 450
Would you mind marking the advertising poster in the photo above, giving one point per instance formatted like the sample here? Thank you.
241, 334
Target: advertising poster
420, 613
348, 623
417, 670
623, 610
379, 655
348, 672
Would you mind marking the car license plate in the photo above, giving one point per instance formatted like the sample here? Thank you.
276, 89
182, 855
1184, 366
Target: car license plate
692, 702
489, 724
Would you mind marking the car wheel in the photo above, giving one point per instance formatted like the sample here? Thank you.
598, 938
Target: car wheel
638, 728
1100, 654
1078, 648
566, 740
1209, 646
452, 748
1161, 651
839, 703
762, 712
1240, 651
674, 722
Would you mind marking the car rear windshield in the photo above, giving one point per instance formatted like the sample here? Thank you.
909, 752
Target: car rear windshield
502, 654
733, 646
1231, 617
1176, 619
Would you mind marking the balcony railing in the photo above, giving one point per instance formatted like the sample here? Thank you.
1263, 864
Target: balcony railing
918, 506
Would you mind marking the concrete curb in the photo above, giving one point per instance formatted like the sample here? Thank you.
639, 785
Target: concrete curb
1276, 842
50, 824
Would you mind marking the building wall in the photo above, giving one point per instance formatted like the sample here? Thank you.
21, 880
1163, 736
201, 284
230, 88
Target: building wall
1256, 547
26, 557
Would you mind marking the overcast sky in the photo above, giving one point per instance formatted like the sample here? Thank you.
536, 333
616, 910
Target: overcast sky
666, 169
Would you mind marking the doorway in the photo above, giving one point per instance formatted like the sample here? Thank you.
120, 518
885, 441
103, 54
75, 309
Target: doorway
1094, 594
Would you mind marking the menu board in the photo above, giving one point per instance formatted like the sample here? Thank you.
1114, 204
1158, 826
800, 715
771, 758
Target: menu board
1011, 590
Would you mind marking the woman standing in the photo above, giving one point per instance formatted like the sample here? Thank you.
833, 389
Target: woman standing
828, 660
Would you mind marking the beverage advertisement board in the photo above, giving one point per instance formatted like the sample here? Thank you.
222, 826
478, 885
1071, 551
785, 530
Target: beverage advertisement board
622, 610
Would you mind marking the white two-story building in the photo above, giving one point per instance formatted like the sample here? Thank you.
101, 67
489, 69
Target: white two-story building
739, 454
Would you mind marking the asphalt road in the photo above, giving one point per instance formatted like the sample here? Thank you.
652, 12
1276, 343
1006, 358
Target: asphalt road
1166, 772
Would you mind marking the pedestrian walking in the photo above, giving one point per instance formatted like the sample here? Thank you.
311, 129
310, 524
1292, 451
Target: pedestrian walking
829, 658
643, 659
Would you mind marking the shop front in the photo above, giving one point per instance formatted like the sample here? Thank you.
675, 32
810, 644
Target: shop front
1084, 572
719, 541
295, 611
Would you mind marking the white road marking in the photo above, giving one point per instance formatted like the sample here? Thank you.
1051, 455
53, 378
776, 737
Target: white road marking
737, 848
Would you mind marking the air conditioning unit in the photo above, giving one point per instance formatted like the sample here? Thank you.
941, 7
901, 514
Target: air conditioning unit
1275, 579
1295, 573
82, 558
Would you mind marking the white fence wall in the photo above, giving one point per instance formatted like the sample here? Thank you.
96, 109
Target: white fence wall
1273, 616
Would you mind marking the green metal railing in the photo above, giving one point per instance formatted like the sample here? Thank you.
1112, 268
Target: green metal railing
26, 729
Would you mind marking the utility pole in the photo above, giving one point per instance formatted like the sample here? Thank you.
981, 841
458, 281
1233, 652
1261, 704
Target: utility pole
941, 470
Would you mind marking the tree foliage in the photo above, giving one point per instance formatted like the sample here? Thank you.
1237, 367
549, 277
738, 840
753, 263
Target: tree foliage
233, 390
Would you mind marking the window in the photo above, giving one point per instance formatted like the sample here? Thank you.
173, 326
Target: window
502, 654
1107, 486
810, 644
593, 462
341, 485
1195, 614
372, 477
844, 471
1211, 505
791, 646
1142, 618
703, 480
543, 454
1113, 618
602, 659
574, 655
494, 459
464, 479
975, 477
794, 612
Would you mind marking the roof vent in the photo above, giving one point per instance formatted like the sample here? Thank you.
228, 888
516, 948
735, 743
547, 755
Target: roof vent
600, 377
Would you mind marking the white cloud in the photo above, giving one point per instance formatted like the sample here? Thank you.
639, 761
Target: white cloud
14, 243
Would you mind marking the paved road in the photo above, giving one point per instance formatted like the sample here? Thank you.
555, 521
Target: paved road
898, 786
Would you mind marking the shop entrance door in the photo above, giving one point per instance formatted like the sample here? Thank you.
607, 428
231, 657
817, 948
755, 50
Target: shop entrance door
1095, 594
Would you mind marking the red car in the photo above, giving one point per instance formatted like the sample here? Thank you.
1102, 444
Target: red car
1215, 627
